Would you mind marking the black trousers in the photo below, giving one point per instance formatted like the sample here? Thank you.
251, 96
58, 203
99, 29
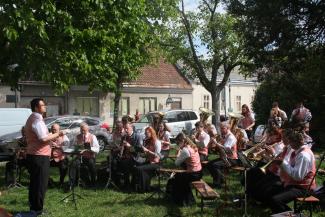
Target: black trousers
126, 167
216, 168
63, 168
87, 168
38, 168
280, 196
259, 184
142, 175
180, 187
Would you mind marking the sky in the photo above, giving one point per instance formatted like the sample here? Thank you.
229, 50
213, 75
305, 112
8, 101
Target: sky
192, 5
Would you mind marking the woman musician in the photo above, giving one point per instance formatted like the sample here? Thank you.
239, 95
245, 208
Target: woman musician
201, 139
188, 155
143, 173
164, 137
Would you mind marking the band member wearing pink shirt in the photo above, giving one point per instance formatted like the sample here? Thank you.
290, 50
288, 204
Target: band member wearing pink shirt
296, 174
38, 154
58, 158
188, 156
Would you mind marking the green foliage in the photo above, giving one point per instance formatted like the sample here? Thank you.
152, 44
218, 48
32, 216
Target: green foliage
207, 45
76, 42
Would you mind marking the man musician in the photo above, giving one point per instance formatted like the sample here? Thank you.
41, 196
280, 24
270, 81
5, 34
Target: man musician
89, 146
296, 173
58, 158
228, 154
131, 146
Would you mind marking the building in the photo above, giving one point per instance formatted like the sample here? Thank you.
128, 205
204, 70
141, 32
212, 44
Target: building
238, 91
149, 92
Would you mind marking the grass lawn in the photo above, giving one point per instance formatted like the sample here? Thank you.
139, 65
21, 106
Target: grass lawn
101, 202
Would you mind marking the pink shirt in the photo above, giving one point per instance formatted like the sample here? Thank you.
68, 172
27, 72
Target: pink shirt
36, 130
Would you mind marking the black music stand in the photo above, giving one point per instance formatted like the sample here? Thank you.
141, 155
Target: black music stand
72, 182
158, 190
110, 181
16, 184
247, 165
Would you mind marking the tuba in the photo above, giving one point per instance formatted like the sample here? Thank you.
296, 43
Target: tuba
205, 114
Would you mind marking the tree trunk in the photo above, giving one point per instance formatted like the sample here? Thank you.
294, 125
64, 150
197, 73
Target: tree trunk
215, 96
117, 97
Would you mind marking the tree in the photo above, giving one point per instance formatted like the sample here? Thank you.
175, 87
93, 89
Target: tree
285, 39
100, 43
216, 34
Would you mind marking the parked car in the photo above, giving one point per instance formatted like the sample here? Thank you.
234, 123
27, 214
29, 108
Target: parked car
72, 123
177, 120
12, 119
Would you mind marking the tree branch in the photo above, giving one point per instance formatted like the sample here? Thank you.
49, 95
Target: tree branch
198, 66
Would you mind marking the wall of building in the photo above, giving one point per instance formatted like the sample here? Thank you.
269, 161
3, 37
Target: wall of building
5, 91
106, 103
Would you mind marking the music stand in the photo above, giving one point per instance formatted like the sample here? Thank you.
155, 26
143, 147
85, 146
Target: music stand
247, 165
110, 181
72, 182
158, 189
15, 184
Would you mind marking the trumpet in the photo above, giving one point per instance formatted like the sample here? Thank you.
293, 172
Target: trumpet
248, 151
263, 151
263, 168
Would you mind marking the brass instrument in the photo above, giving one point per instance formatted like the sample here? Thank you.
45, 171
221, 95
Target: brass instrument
220, 150
248, 151
263, 150
263, 168
205, 114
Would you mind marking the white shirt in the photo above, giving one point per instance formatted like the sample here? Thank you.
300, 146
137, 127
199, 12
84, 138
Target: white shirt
204, 140
229, 140
303, 164
184, 154
39, 126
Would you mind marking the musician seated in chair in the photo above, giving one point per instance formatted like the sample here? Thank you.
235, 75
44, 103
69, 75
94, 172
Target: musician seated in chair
57, 156
259, 181
201, 139
131, 146
164, 137
89, 146
143, 173
228, 154
180, 185
296, 174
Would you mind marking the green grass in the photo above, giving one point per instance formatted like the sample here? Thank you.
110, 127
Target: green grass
101, 202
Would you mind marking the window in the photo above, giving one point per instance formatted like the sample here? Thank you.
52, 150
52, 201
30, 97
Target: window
223, 99
87, 106
238, 103
91, 122
177, 103
171, 117
206, 101
192, 116
124, 107
147, 104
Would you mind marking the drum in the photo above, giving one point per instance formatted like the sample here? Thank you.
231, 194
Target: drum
258, 134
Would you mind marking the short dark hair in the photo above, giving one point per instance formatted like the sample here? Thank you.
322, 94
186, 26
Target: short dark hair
35, 103
275, 104
199, 124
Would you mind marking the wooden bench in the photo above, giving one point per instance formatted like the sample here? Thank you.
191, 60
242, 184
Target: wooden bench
205, 191
310, 200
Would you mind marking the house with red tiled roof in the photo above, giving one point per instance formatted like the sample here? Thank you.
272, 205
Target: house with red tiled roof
148, 92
